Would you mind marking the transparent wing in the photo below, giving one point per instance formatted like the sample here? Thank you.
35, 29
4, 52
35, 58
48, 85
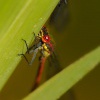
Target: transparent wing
54, 65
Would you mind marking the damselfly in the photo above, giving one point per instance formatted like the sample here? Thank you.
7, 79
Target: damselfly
43, 44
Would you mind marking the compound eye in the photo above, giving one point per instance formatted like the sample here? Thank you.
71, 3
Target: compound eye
46, 38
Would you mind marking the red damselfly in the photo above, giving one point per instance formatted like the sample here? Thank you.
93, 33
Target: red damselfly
43, 43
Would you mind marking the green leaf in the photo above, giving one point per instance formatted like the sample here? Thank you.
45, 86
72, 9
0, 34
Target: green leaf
18, 19
62, 82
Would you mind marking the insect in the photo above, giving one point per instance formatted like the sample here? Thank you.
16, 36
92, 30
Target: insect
45, 46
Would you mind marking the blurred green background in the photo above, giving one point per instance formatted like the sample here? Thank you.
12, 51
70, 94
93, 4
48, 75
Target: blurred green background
75, 34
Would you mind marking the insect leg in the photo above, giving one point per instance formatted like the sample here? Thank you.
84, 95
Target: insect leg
35, 52
35, 47
34, 34
26, 45
34, 56
24, 57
